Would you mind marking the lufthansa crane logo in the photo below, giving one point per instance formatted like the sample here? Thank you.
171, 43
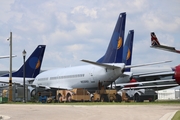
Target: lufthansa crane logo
119, 43
38, 64
34, 63
128, 54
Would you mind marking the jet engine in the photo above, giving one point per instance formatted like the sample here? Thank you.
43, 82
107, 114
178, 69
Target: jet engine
177, 74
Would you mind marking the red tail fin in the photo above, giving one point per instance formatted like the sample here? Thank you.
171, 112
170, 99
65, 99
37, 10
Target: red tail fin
154, 40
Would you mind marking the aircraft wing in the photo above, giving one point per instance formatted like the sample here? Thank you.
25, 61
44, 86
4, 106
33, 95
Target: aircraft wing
53, 86
167, 48
156, 44
152, 87
154, 74
7, 56
140, 65
143, 83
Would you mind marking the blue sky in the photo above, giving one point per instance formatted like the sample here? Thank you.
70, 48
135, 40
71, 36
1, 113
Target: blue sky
75, 30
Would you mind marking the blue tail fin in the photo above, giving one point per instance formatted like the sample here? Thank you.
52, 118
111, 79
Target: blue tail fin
32, 64
127, 49
115, 49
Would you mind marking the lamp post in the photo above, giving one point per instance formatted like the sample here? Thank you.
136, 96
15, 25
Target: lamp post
24, 55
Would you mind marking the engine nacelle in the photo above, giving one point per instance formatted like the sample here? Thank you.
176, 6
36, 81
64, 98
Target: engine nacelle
177, 74
32, 91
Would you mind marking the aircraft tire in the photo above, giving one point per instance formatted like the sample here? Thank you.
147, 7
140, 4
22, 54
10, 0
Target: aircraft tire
104, 98
137, 98
59, 97
92, 99
68, 98
118, 98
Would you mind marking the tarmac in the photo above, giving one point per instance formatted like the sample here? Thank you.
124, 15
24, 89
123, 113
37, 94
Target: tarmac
86, 112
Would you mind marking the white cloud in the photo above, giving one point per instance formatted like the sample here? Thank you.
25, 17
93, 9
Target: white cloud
5, 10
82, 29
75, 47
92, 13
159, 21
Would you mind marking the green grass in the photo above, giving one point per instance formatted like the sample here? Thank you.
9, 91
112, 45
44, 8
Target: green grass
176, 116
172, 102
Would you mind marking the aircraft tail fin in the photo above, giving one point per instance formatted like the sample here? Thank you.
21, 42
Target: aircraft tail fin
32, 64
115, 48
154, 40
127, 49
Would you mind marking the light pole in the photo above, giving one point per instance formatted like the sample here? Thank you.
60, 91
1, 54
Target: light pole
10, 69
24, 55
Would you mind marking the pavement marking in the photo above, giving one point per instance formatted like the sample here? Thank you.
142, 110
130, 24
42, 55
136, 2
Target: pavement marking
3, 117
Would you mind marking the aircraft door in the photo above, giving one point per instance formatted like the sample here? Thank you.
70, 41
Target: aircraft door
92, 75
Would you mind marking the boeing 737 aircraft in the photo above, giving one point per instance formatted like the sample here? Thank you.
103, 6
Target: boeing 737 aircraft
32, 69
88, 76
155, 44
126, 59
106, 70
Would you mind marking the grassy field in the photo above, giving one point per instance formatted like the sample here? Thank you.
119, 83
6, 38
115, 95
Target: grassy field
176, 116
175, 102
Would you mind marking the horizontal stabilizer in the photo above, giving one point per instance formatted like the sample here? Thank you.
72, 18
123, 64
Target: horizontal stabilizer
16, 81
7, 56
109, 66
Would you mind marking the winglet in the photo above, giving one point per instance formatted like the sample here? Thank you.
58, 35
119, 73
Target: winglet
154, 40
155, 44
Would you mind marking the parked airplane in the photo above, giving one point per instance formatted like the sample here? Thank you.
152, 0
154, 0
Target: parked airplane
160, 79
131, 78
32, 69
126, 59
106, 70
156, 44
88, 76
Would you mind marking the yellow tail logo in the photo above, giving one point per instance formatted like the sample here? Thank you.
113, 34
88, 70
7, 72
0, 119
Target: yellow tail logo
119, 43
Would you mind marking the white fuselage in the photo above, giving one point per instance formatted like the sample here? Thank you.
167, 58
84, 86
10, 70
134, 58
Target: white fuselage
87, 76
